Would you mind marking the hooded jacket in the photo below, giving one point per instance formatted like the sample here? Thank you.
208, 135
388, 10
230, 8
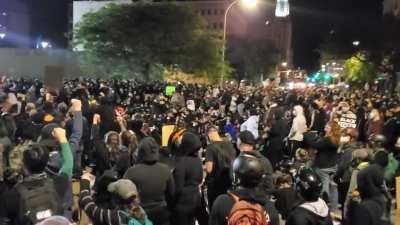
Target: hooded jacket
299, 126
251, 125
310, 213
148, 151
104, 161
372, 208
224, 203
188, 174
153, 179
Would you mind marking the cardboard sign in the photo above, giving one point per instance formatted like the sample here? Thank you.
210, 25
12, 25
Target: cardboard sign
170, 90
166, 130
348, 120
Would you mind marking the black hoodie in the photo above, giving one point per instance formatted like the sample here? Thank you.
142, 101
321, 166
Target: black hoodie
224, 203
153, 179
310, 213
188, 174
372, 208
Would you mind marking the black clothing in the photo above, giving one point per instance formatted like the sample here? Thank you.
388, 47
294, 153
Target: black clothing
327, 155
373, 200
108, 119
224, 203
302, 216
267, 183
391, 130
368, 212
156, 187
274, 148
9, 205
370, 181
221, 154
99, 215
344, 170
188, 175
320, 119
286, 199
118, 160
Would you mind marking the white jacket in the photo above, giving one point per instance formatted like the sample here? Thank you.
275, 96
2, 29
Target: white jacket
299, 126
251, 125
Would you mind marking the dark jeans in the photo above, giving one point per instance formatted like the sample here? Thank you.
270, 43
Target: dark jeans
158, 215
181, 218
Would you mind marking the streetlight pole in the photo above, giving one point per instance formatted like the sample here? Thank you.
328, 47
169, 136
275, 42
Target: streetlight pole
224, 40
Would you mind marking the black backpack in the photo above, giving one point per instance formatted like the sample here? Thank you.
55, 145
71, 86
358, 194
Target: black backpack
38, 201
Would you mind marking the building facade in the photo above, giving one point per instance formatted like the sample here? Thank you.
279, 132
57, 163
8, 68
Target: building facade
14, 24
241, 23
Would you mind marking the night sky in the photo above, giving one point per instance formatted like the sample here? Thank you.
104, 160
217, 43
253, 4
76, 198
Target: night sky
313, 21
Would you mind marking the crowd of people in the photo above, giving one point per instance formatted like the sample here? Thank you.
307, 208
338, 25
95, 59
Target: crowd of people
237, 154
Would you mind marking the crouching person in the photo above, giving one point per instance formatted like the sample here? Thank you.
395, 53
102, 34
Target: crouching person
125, 195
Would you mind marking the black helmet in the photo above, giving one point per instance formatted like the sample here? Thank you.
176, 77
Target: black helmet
248, 171
377, 141
308, 184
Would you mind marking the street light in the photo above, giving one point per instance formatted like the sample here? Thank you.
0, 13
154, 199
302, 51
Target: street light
44, 44
250, 4
284, 64
356, 43
2, 35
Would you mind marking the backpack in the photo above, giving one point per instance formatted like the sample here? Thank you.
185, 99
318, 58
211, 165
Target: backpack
246, 213
38, 201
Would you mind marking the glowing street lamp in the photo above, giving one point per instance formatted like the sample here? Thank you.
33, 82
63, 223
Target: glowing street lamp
284, 64
249, 4
356, 43
2, 35
44, 44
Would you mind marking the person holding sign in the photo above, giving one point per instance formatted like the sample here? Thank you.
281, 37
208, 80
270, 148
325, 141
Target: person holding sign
374, 123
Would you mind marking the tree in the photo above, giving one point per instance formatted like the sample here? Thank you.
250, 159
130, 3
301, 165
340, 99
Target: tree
380, 48
253, 58
359, 71
138, 37
390, 64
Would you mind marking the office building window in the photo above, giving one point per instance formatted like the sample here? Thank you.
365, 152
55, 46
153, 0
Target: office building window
215, 11
215, 26
221, 25
203, 12
209, 12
